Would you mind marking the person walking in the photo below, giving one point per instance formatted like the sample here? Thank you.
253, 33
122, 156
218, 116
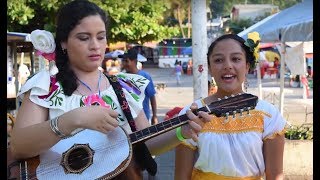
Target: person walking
239, 147
129, 64
178, 71
75, 122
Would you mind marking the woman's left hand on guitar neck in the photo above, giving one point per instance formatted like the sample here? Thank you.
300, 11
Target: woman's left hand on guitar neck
169, 140
195, 124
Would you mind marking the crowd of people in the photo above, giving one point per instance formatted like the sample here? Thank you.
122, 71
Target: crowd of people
80, 109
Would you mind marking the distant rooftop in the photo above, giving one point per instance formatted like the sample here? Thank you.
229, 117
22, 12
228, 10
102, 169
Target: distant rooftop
254, 6
17, 36
251, 11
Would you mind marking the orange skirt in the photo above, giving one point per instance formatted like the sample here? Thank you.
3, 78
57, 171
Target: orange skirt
200, 175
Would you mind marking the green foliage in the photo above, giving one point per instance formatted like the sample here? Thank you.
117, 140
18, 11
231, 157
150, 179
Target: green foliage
239, 25
130, 20
19, 11
27, 15
303, 132
137, 21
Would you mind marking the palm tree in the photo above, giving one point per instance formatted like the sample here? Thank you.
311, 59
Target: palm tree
177, 9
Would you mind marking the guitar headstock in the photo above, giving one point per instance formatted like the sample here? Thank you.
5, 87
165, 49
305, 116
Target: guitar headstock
231, 105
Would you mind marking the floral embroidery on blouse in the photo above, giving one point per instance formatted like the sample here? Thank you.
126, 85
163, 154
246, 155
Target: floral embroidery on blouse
94, 99
54, 92
131, 85
52, 87
105, 101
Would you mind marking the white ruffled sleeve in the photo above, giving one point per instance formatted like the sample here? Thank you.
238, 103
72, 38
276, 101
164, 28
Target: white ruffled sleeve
44, 90
273, 125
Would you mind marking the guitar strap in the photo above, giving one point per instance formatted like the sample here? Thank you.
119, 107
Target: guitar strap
140, 151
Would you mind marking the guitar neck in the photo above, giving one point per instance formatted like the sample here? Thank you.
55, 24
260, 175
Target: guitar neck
165, 126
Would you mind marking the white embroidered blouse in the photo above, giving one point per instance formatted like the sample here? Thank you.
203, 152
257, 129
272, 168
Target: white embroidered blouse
234, 149
109, 149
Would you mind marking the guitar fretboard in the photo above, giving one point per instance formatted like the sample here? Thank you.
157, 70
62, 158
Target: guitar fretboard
162, 127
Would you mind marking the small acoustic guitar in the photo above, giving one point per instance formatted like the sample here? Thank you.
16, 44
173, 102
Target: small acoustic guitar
109, 154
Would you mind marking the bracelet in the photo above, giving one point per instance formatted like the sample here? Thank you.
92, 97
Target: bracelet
55, 129
179, 134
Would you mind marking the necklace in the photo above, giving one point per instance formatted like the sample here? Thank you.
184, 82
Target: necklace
93, 99
88, 87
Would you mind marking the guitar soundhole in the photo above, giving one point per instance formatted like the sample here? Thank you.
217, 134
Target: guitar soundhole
76, 159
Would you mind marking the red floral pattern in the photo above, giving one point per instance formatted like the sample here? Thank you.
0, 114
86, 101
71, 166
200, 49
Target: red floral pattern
95, 99
53, 87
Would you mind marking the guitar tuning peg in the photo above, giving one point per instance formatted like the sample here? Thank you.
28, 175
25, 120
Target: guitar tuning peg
219, 99
227, 118
232, 95
226, 97
248, 111
241, 111
234, 114
239, 93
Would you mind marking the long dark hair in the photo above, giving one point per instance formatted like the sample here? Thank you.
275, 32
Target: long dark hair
68, 18
249, 55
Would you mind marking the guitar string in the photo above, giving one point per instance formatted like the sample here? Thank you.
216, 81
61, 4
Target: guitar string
34, 175
90, 156
97, 150
46, 165
143, 136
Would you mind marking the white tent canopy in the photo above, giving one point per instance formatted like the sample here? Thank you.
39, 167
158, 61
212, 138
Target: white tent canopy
290, 25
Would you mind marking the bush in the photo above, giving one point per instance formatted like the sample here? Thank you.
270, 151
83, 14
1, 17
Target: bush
303, 132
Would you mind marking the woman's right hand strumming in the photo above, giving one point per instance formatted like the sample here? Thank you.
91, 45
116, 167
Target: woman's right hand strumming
97, 118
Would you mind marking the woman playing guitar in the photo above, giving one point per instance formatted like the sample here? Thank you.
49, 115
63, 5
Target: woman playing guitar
70, 119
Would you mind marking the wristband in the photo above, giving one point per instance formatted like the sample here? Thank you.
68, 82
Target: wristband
179, 134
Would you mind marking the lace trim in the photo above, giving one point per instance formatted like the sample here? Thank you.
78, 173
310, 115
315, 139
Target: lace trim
272, 136
245, 123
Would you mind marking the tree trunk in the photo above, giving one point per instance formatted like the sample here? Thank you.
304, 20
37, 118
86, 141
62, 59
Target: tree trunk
180, 21
189, 18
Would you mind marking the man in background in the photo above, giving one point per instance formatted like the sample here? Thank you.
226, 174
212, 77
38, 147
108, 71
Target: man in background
129, 64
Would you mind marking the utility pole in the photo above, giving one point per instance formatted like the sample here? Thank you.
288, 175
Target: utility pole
199, 49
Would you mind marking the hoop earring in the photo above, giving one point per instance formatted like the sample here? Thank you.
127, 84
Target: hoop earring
246, 84
64, 51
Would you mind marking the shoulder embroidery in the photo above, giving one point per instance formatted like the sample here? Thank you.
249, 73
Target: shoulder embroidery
55, 91
245, 123
132, 85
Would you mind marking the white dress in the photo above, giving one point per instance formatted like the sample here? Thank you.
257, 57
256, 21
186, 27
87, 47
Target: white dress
234, 149
48, 93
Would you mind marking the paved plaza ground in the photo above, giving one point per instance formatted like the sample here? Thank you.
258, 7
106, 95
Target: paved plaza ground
296, 109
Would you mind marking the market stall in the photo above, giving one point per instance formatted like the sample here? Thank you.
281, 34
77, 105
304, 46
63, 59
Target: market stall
17, 43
